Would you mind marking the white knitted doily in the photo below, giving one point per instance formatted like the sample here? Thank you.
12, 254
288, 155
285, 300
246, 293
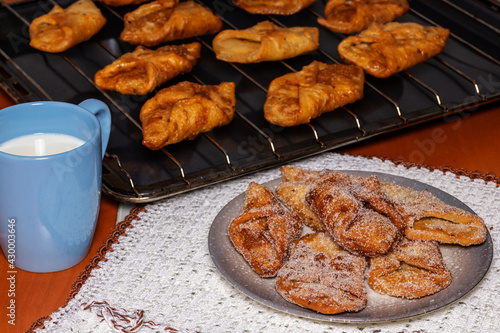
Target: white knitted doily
162, 268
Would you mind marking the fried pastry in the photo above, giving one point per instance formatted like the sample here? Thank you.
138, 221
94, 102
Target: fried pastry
429, 218
264, 230
264, 42
61, 29
295, 183
386, 49
296, 98
349, 16
367, 189
278, 7
168, 20
414, 269
321, 276
356, 225
141, 71
185, 110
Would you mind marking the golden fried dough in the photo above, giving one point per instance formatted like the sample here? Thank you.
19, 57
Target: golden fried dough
367, 189
167, 20
141, 71
263, 231
429, 218
348, 215
349, 16
277, 7
357, 229
414, 269
258, 196
264, 42
62, 29
292, 189
296, 98
383, 50
321, 276
185, 110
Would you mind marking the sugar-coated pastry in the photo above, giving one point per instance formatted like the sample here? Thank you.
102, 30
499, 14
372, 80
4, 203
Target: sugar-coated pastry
368, 190
185, 110
321, 276
296, 98
386, 49
61, 29
343, 203
357, 229
141, 71
264, 42
414, 269
276, 7
292, 190
429, 218
163, 21
264, 230
349, 16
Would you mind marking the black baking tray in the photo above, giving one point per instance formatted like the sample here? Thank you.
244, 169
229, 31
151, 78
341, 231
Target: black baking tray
466, 76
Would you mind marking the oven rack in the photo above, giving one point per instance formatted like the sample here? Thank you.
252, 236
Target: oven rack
465, 77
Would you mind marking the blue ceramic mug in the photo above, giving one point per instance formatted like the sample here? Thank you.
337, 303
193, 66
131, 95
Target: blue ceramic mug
49, 201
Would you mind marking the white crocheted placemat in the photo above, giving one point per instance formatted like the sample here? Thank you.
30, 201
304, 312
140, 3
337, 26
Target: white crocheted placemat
160, 270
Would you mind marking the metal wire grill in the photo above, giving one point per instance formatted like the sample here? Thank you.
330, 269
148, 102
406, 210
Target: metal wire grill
464, 77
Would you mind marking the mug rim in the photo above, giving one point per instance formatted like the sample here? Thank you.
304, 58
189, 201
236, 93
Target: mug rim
95, 135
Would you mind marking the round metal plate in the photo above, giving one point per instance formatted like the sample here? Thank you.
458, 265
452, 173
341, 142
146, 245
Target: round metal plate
468, 266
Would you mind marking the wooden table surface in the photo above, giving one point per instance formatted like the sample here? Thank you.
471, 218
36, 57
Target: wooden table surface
469, 141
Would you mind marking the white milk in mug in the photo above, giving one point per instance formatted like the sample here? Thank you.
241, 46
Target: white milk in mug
41, 144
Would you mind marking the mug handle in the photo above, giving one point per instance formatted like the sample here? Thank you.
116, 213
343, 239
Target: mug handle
103, 115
